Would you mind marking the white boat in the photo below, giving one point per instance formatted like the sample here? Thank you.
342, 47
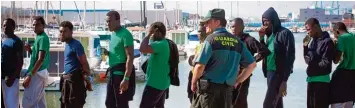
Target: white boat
352, 30
193, 41
180, 37
137, 62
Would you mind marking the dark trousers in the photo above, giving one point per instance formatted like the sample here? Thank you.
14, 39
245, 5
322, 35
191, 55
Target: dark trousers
113, 97
153, 98
272, 98
215, 96
73, 90
342, 86
318, 95
240, 95
189, 92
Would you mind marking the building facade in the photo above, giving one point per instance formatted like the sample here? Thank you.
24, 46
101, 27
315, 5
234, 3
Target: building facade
319, 14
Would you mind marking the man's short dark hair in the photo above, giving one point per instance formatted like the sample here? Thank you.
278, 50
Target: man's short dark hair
239, 20
113, 13
11, 21
313, 22
40, 19
66, 24
340, 26
160, 26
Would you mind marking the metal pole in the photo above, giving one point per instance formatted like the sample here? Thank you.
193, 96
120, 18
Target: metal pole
196, 21
237, 8
84, 23
60, 10
231, 10
47, 3
36, 12
94, 15
218, 4
140, 5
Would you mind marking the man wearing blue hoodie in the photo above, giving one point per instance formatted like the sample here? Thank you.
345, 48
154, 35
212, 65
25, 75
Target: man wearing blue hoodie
278, 65
318, 53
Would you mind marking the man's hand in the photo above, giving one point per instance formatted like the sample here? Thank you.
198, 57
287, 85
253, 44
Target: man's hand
306, 40
27, 81
283, 89
193, 87
262, 31
104, 50
124, 86
191, 58
10, 81
27, 47
89, 85
236, 85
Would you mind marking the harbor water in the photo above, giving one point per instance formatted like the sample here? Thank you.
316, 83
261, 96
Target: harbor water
296, 87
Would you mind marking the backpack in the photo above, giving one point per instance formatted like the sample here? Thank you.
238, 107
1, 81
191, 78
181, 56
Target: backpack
173, 63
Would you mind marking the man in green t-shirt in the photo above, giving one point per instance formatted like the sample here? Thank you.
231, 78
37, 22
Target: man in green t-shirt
34, 95
158, 80
318, 54
343, 79
121, 86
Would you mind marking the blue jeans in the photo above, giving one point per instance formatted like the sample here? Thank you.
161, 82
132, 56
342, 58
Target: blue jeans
272, 98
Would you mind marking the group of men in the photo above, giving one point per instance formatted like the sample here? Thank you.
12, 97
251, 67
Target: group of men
74, 82
76, 78
12, 52
221, 72
222, 64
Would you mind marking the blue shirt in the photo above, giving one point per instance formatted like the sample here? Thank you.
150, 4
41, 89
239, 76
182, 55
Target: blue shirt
72, 51
9, 49
222, 54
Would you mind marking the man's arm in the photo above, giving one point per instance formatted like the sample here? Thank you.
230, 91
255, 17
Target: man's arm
328, 55
247, 61
145, 47
197, 72
308, 55
39, 62
129, 62
84, 63
338, 55
19, 58
339, 50
289, 44
203, 57
261, 49
246, 73
43, 46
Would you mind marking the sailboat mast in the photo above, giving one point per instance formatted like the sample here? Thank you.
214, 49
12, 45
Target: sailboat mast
84, 23
94, 15
47, 6
60, 10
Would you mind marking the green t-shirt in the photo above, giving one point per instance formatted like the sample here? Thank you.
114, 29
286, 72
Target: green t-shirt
271, 65
41, 44
346, 44
119, 40
158, 65
322, 78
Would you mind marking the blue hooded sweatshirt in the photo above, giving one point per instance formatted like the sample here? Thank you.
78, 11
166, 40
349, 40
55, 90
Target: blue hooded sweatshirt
284, 46
319, 55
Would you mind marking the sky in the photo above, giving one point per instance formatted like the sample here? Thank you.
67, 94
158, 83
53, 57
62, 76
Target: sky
245, 9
